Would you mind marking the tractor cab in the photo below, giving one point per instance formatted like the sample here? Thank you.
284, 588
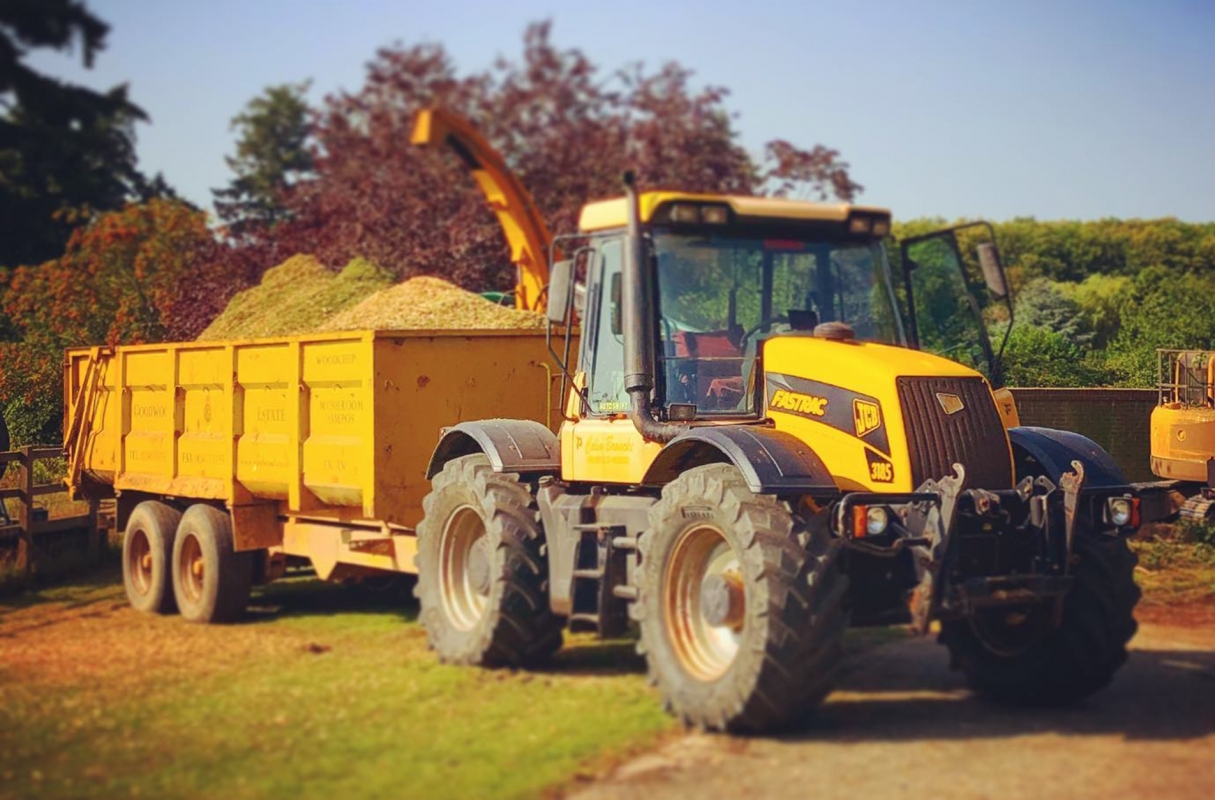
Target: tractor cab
727, 274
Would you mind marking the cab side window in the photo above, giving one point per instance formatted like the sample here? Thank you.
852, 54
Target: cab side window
604, 353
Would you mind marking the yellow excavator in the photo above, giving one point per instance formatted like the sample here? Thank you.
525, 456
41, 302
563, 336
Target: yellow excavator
759, 449
1183, 431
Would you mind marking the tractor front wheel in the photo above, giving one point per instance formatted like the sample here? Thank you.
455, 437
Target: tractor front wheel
482, 577
741, 607
1022, 657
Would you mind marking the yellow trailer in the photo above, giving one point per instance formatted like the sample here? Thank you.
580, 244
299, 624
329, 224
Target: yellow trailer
313, 446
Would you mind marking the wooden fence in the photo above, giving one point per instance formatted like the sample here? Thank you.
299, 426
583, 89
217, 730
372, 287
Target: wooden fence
31, 526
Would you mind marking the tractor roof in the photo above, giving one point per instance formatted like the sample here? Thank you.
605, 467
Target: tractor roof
609, 214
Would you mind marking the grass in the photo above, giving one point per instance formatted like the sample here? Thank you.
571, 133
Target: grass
1177, 564
321, 694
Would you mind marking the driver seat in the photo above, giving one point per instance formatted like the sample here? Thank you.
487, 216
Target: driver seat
705, 358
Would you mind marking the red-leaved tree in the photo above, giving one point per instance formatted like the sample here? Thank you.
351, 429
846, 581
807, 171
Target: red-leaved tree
565, 127
118, 282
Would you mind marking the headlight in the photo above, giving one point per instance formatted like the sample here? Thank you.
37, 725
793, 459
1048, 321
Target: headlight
1121, 511
876, 520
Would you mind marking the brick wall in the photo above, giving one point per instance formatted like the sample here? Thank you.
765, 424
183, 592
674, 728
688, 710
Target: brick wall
1116, 419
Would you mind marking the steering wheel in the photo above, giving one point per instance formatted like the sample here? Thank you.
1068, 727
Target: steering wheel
759, 326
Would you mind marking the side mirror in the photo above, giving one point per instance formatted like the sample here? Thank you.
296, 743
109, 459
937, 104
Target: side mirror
560, 292
993, 270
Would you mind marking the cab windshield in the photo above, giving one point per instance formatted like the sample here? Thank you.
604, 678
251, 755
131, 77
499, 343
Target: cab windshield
718, 297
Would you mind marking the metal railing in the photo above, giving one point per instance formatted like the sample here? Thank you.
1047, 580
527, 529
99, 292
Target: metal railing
1186, 378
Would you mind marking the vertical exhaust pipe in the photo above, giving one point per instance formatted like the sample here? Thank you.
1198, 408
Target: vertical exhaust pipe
637, 320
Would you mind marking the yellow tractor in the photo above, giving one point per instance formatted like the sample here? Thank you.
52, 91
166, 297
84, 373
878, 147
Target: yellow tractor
758, 451
1183, 432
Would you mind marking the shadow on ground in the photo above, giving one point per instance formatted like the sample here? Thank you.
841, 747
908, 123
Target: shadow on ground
302, 595
905, 691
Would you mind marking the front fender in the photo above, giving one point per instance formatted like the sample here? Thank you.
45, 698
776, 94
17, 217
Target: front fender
771, 461
512, 445
1055, 451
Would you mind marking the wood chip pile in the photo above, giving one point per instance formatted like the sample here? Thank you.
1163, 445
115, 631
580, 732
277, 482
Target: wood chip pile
297, 296
426, 302
302, 296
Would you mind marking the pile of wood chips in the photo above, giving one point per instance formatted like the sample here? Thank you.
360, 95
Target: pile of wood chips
297, 296
429, 303
301, 295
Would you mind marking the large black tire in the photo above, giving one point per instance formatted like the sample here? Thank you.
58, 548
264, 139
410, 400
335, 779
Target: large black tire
482, 575
147, 553
211, 581
1058, 665
762, 658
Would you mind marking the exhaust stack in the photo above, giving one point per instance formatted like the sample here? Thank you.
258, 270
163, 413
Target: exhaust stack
638, 328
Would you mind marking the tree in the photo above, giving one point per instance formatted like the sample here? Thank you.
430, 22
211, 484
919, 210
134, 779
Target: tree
63, 148
272, 154
117, 282
1039, 356
567, 129
1043, 304
1100, 299
1164, 310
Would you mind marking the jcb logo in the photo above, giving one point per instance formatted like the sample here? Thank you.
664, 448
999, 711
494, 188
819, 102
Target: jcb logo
867, 416
799, 403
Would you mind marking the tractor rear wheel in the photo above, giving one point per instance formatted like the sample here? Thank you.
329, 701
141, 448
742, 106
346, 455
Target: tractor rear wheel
482, 577
147, 553
1022, 658
211, 581
741, 607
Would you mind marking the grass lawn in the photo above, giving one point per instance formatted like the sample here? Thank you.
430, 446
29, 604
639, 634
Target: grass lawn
1177, 573
323, 693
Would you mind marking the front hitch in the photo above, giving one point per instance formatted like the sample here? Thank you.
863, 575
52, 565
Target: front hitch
979, 548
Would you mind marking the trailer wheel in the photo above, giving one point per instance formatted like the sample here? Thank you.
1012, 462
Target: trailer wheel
1045, 665
741, 607
211, 581
482, 578
147, 552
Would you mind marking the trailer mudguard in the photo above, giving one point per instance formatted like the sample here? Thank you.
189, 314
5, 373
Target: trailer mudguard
1055, 451
512, 445
771, 461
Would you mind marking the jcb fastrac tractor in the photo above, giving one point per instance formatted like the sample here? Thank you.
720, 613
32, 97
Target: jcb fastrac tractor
756, 453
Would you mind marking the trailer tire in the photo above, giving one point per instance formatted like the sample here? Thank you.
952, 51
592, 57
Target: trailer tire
741, 606
482, 575
211, 581
1065, 664
147, 553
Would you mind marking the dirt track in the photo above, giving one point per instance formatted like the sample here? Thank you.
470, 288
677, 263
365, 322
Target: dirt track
903, 725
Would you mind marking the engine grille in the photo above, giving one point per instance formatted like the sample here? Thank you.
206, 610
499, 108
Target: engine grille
973, 436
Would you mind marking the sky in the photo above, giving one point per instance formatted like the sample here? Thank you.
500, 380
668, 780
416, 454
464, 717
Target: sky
1077, 110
